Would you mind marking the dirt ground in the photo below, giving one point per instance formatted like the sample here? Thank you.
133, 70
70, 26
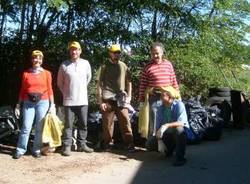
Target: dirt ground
78, 168
209, 162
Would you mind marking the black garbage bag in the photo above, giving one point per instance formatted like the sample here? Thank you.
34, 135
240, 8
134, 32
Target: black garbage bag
9, 124
197, 118
214, 131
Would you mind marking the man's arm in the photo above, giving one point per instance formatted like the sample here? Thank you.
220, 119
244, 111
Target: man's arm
173, 124
98, 92
60, 79
143, 85
165, 126
99, 87
128, 85
103, 105
89, 73
129, 89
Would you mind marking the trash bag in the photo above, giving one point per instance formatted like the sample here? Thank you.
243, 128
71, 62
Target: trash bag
197, 118
9, 124
52, 130
205, 122
214, 131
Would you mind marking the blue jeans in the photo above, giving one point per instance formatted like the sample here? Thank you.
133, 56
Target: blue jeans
154, 104
32, 111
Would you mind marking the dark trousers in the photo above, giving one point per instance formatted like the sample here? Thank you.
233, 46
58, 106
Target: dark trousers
81, 112
154, 103
108, 123
175, 139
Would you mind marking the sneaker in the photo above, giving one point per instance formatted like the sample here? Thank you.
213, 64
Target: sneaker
66, 150
131, 149
85, 149
17, 155
179, 162
37, 155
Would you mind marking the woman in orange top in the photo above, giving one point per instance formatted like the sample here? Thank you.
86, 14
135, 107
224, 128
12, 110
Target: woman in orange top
36, 97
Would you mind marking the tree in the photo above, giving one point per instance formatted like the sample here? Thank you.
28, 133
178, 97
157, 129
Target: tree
205, 39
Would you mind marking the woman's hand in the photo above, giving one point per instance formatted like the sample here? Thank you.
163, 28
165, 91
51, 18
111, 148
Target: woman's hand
161, 131
17, 111
52, 109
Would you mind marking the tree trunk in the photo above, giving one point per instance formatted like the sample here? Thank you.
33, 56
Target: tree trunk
70, 18
31, 23
20, 36
43, 29
2, 26
154, 27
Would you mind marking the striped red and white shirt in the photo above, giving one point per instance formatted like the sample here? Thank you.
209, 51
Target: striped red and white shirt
157, 75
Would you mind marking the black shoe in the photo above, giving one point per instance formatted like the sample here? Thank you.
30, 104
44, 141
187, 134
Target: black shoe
179, 162
168, 153
37, 155
131, 149
85, 149
66, 150
104, 147
17, 156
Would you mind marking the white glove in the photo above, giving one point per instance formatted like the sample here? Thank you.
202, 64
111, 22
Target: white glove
161, 146
128, 99
161, 131
17, 111
52, 109
141, 105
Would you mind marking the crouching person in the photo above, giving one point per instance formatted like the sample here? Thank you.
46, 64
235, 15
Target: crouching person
171, 125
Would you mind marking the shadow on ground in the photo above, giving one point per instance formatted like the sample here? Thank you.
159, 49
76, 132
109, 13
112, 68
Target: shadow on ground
224, 161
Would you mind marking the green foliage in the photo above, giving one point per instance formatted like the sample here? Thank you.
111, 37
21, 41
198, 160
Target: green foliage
205, 40
59, 4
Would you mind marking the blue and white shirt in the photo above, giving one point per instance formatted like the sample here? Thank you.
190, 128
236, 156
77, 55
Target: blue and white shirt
176, 112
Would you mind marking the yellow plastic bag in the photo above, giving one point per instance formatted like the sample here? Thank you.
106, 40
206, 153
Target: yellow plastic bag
52, 130
143, 122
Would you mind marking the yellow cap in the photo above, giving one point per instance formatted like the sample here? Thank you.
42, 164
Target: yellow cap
172, 91
74, 44
115, 48
36, 53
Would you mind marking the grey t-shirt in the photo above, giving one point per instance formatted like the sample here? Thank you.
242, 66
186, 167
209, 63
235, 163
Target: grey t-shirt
72, 80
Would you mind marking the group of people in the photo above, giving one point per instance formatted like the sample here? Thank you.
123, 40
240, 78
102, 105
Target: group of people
167, 115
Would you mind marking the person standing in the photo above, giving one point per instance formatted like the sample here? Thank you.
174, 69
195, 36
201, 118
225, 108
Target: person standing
36, 97
159, 72
114, 90
73, 78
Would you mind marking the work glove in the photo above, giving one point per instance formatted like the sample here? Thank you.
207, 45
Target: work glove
128, 99
141, 105
161, 146
52, 108
161, 131
17, 111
